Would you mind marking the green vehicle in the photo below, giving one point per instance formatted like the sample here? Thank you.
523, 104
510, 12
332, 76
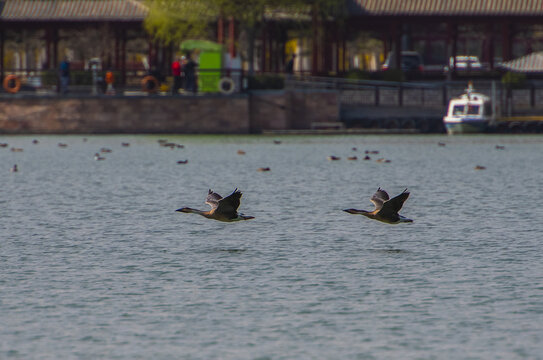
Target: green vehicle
209, 63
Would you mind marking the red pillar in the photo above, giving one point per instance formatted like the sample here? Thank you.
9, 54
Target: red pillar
385, 39
315, 39
123, 56
116, 49
220, 30
489, 46
397, 44
264, 48
506, 41
337, 52
2, 54
55, 48
48, 48
345, 63
231, 37
452, 45
269, 55
269, 58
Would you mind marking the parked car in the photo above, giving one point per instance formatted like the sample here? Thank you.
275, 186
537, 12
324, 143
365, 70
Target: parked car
410, 61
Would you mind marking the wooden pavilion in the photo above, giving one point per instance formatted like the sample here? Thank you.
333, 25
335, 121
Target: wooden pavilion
494, 30
52, 20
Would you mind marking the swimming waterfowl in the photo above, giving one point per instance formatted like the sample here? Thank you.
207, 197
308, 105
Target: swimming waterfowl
183, 162
14, 168
383, 160
241, 152
222, 209
125, 144
62, 145
441, 144
97, 157
171, 145
14, 149
386, 209
367, 157
3, 145
105, 150
352, 158
332, 158
277, 142
500, 147
480, 167
263, 169
35, 142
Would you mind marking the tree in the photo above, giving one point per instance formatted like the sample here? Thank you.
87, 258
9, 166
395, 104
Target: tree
172, 21
176, 20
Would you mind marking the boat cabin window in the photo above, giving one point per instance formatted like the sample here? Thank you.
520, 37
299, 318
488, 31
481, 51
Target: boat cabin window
473, 109
458, 110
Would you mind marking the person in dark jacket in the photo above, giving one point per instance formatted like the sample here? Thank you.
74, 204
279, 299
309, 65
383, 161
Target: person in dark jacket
190, 75
289, 67
64, 73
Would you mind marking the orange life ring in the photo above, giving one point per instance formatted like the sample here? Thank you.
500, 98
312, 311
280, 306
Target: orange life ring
12, 84
150, 84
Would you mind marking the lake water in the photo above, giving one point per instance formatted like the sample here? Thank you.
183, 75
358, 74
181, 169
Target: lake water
96, 263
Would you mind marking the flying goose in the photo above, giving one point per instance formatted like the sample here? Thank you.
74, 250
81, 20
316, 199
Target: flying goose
222, 209
386, 209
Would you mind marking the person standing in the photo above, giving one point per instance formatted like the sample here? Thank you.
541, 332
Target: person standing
110, 79
176, 72
190, 75
64, 72
289, 67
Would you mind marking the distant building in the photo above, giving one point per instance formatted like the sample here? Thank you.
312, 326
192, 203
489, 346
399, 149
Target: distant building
35, 35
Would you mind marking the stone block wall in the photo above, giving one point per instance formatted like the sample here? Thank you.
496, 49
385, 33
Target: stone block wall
105, 115
306, 107
236, 114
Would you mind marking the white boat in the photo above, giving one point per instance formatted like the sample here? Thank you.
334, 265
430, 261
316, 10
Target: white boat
469, 113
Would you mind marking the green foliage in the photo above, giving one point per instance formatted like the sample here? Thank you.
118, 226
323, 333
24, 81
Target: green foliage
266, 82
357, 74
513, 80
49, 78
172, 21
394, 75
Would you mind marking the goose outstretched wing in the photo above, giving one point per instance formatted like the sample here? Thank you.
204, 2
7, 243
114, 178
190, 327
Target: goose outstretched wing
213, 199
230, 204
395, 204
379, 198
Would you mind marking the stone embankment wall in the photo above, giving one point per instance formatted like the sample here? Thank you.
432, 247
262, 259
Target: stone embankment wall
236, 114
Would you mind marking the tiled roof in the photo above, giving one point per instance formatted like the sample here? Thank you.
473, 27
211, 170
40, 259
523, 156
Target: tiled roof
530, 63
446, 7
72, 10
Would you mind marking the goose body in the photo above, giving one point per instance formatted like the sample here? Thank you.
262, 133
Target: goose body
386, 209
222, 209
